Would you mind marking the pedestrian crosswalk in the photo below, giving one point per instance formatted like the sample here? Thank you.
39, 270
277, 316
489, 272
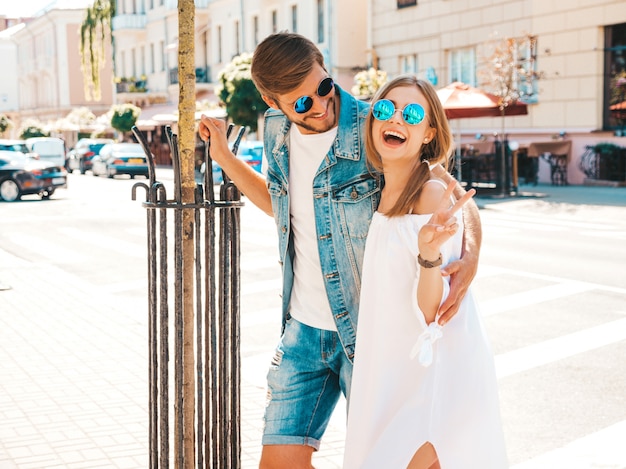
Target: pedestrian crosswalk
513, 312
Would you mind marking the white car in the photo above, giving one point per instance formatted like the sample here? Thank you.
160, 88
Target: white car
50, 149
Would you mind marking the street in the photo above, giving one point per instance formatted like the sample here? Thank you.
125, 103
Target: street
549, 285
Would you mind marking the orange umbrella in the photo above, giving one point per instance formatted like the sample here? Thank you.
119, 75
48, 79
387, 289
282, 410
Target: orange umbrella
618, 110
461, 101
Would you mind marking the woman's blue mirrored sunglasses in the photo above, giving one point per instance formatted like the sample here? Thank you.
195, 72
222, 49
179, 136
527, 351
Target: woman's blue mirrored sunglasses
412, 113
305, 103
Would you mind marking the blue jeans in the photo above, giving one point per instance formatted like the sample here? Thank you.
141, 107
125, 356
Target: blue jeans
308, 373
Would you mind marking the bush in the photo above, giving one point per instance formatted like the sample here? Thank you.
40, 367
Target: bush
124, 116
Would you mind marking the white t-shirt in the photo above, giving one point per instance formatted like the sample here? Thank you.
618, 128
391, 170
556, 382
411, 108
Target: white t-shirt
309, 302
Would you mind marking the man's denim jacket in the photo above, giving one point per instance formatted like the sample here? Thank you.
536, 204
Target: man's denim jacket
345, 193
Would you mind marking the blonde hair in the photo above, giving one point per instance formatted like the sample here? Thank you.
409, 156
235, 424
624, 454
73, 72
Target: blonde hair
438, 150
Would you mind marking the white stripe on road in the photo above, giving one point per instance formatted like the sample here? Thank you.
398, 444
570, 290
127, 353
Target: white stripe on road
272, 287
605, 234
266, 316
488, 271
532, 297
602, 449
549, 351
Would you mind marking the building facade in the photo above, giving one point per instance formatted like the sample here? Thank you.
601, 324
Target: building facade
574, 56
48, 73
146, 38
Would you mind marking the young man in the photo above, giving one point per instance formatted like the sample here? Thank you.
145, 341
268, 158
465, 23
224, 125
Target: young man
322, 195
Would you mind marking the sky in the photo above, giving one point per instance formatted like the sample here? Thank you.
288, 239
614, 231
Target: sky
26, 8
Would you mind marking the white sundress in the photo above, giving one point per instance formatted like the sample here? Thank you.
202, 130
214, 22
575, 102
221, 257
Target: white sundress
398, 401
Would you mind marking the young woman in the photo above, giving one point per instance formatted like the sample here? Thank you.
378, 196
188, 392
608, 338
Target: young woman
424, 394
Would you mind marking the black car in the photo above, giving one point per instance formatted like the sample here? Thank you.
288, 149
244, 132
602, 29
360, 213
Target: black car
21, 175
83, 152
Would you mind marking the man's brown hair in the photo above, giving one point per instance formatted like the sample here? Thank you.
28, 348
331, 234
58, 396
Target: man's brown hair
282, 61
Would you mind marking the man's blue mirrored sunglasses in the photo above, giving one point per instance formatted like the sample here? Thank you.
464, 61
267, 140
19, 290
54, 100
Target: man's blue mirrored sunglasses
412, 113
305, 103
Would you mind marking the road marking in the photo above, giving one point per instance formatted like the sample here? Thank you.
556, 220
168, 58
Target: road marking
602, 449
605, 234
532, 297
552, 350
489, 270
271, 286
265, 316
525, 221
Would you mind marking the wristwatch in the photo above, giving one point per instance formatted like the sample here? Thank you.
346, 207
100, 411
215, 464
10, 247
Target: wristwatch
428, 264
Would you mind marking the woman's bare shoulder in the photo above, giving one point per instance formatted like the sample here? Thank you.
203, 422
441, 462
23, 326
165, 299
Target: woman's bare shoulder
430, 197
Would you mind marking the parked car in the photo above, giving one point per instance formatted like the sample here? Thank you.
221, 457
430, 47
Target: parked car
120, 158
17, 145
83, 152
50, 149
250, 151
21, 175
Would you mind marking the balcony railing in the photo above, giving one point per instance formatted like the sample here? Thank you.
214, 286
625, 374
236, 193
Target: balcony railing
173, 4
136, 21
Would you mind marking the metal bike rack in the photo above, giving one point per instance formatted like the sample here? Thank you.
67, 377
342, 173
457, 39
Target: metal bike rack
216, 291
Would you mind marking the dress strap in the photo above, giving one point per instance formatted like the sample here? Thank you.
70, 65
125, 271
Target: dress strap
443, 184
438, 181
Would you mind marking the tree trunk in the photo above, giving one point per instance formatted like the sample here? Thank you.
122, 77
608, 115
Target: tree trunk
186, 140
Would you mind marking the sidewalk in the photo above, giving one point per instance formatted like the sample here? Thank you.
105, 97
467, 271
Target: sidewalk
574, 195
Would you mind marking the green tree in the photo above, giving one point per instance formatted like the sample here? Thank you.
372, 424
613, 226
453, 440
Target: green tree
94, 31
124, 116
32, 128
237, 91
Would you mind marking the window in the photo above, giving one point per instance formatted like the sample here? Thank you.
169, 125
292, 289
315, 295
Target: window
162, 47
509, 68
143, 60
294, 18
219, 44
152, 59
527, 73
320, 21
408, 63
615, 77
123, 63
406, 3
463, 66
255, 30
